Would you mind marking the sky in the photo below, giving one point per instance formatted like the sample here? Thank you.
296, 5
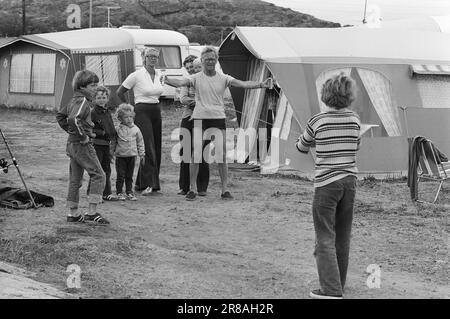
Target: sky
352, 11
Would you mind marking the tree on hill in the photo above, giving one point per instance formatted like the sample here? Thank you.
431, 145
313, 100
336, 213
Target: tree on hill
202, 21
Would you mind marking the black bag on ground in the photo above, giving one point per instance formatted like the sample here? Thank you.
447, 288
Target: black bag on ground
17, 198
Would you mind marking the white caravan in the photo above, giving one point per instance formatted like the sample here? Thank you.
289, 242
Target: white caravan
173, 46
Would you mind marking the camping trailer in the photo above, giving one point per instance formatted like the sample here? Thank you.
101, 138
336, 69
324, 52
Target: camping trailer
403, 77
37, 70
173, 46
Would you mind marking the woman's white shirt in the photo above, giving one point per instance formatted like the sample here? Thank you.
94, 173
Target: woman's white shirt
145, 90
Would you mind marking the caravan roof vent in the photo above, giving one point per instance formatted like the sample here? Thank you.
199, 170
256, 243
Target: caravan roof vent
130, 27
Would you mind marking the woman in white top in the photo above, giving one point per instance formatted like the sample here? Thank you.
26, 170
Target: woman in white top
147, 88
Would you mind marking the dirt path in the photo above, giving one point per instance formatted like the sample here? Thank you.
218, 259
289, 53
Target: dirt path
256, 246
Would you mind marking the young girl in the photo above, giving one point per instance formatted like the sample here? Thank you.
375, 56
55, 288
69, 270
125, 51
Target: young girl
75, 119
128, 145
336, 135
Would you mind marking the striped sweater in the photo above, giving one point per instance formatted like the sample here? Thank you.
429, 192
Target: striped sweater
336, 136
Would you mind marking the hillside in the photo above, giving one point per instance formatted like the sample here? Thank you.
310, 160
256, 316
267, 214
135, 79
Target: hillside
202, 21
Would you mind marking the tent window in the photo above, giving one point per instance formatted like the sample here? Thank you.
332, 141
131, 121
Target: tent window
434, 90
19, 79
107, 68
43, 74
32, 73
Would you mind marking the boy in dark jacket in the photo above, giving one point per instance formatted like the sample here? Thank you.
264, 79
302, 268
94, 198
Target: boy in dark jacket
75, 119
105, 134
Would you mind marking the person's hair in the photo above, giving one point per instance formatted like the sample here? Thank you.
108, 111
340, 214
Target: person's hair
209, 49
339, 91
190, 58
123, 110
83, 78
102, 89
145, 51
197, 61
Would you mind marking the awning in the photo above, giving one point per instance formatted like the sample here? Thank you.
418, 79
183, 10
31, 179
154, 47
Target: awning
430, 69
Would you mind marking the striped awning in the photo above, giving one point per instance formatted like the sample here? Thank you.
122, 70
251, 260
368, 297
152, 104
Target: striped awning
430, 69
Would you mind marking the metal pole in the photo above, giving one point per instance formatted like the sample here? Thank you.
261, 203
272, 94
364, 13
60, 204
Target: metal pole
365, 7
90, 13
109, 10
18, 170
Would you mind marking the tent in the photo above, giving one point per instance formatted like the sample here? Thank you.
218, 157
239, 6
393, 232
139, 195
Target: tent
401, 76
37, 69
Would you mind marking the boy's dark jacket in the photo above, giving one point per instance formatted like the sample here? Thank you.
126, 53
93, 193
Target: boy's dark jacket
75, 117
103, 126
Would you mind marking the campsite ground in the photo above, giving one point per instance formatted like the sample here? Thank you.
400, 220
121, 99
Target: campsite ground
257, 246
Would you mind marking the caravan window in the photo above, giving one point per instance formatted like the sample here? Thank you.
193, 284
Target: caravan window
169, 57
107, 68
32, 73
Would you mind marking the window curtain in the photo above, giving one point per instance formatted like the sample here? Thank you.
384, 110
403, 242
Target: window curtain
94, 64
111, 69
43, 75
20, 77
107, 68
323, 77
379, 89
253, 99
169, 57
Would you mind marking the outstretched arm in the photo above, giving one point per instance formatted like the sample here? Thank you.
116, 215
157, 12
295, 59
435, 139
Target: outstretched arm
250, 84
176, 82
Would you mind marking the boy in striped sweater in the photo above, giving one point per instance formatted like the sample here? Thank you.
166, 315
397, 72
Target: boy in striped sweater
336, 135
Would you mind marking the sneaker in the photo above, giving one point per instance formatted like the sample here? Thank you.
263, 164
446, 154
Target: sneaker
131, 196
190, 196
317, 294
75, 219
201, 193
111, 198
226, 195
147, 191
182, 192
122, 196
96, 218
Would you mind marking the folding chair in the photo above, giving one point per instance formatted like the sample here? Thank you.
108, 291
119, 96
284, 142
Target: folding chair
431, 168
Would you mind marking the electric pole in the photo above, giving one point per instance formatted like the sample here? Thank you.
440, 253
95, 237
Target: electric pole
90, 13
24, 18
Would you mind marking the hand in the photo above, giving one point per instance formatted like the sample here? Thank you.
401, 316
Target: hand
143, 160
267, 83
163, 79
85, 140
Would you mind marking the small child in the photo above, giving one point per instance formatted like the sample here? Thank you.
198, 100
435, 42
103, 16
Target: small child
336, 135
128, 145
75, 119
105, 134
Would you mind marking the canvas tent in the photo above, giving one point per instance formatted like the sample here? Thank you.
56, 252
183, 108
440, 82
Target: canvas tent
37, 70
393, 69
